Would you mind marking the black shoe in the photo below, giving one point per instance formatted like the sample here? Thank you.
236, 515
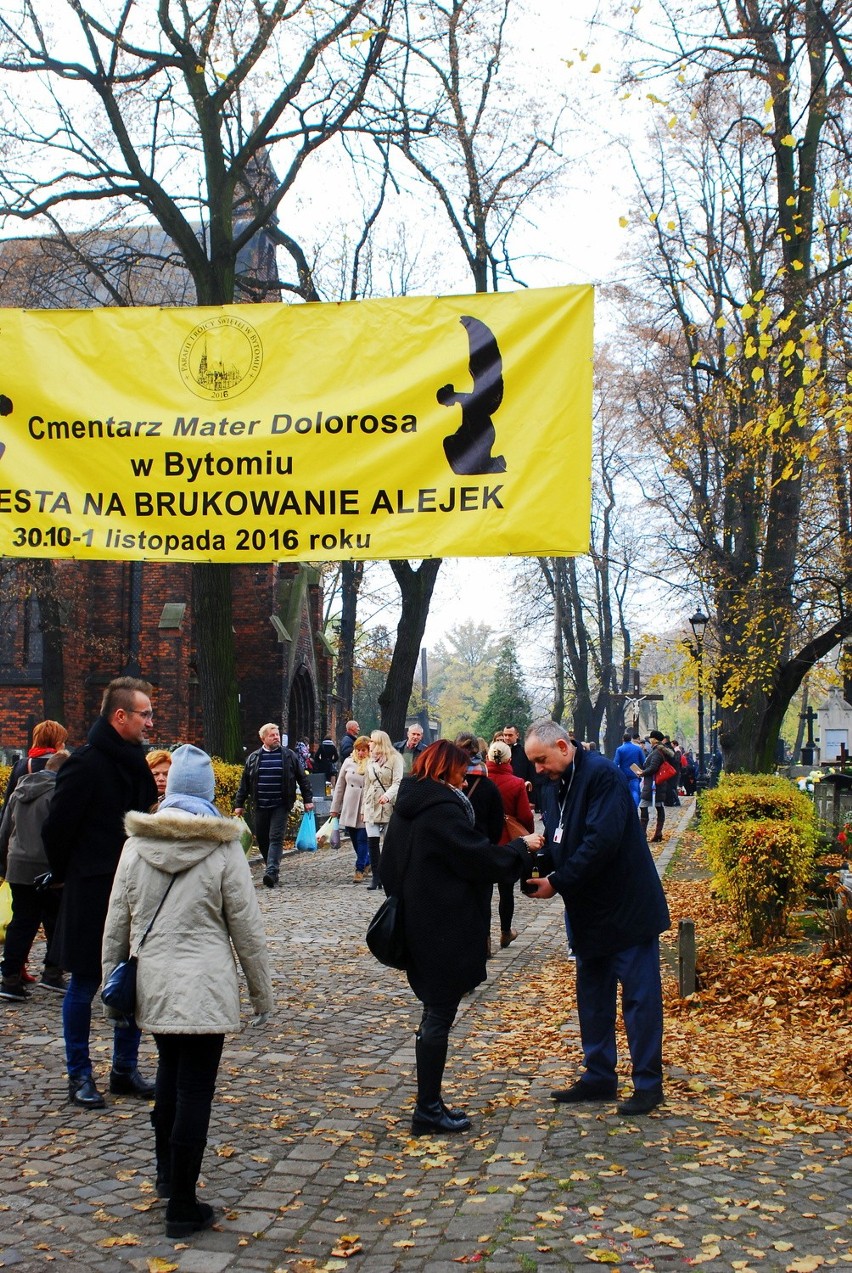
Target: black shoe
642, 1101
14, 991
52, 979
270, 880
456, 1115
582, 1091
185, 1221
373, 885
83, 1092
428, 1119
130, 1083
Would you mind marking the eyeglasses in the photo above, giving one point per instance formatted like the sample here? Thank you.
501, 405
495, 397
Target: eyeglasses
134, 711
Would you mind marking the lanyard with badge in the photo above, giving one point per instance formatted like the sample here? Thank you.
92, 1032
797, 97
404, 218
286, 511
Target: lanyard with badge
557, 834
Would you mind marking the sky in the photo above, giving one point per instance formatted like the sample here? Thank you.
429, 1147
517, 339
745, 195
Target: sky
577, 240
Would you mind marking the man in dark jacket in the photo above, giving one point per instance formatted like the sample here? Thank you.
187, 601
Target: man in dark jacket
616, 909
83, 838
269, 780
411, 746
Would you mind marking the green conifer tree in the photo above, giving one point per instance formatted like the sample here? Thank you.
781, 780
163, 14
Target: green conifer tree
507, 704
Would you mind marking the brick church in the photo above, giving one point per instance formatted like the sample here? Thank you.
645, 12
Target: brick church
67, 628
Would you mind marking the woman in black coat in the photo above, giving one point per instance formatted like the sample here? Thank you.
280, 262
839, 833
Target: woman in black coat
443, 869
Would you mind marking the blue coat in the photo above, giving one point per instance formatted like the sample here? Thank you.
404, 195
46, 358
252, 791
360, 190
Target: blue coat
603, 866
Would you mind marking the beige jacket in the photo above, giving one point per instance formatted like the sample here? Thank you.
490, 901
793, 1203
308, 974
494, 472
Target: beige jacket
186, 979
381, 778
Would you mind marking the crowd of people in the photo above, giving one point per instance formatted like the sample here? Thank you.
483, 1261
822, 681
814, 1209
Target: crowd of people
112, 849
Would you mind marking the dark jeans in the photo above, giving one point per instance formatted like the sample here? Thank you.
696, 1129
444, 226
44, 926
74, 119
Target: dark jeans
638, 971
30, 908
77, 1023
361, 845
186, 1081
269, 828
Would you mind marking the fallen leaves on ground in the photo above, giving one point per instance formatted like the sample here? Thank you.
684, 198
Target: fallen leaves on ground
762, 1023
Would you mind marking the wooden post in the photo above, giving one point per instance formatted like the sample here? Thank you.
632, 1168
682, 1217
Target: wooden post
686, 957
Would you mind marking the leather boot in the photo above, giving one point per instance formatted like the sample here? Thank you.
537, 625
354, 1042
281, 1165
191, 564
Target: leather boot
185, 1215
643, 820
658, 833
430, 1112
375, 857
162, 1122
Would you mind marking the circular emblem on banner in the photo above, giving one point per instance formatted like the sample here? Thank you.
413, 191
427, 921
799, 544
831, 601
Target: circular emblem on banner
221, 357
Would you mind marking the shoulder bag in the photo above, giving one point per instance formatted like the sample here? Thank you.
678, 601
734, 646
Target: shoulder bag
386, 931
515, 828
119, 989
665, 772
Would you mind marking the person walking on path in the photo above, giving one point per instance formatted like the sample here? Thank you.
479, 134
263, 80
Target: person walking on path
436, 861
347, 742
270, 777
411, 746
49, 737
628, 754
616, 910
325, 759
83, 838
381, 783
347, 804
516, 804
654, 792
22, 861
187, 860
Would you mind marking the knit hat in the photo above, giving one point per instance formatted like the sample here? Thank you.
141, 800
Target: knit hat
191, 773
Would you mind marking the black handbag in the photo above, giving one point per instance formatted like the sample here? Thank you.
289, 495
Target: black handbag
119, 989
386, 934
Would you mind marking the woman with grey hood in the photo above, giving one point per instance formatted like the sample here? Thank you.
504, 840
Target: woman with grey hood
187, 860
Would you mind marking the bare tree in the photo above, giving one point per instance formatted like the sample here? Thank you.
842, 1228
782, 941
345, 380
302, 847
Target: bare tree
742, 348
203, 121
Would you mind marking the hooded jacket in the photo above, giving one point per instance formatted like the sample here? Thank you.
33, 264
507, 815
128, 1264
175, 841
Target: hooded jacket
186, 981
443, 869
22, 855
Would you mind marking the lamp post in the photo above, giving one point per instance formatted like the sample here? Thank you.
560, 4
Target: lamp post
698, 623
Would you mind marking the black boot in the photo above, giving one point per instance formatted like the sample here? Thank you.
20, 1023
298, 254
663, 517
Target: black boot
185, 1215
375, 857
162, 1121
643, 820
661, 817
430, 1112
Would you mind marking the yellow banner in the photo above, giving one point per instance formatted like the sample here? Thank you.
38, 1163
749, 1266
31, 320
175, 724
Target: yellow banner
418, 427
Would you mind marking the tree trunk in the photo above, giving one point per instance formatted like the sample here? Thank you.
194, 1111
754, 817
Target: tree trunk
416, 587
217, 672
351, 575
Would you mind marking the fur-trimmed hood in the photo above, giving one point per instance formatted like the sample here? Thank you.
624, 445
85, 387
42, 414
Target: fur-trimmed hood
172, 840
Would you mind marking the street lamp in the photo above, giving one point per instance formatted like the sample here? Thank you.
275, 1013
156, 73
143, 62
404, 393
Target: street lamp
698, 623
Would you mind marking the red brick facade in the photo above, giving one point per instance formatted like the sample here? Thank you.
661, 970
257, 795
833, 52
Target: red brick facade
137, 618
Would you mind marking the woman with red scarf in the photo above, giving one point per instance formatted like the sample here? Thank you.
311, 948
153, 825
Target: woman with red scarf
48, 737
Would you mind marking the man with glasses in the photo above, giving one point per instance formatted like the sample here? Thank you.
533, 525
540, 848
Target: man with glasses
83, 837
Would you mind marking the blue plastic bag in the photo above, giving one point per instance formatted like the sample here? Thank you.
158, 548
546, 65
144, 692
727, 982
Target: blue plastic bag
306, 840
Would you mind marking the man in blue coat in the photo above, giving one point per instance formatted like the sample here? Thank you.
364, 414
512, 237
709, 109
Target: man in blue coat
627, 755
616, 910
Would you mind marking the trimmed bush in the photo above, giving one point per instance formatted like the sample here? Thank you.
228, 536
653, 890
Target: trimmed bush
227, 782
760, 835
5, 771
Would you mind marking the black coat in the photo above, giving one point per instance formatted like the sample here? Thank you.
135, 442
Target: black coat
604, 869
444, 869
83, 837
